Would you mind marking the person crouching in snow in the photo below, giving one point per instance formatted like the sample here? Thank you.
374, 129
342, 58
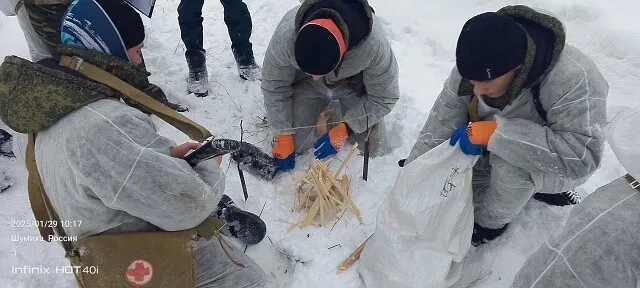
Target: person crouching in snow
101, 161
321, 51
533, 107
599, 245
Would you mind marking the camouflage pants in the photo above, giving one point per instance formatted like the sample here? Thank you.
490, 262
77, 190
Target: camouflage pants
38, 49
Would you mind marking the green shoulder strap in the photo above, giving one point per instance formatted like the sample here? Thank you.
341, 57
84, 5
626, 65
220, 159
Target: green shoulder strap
194, 130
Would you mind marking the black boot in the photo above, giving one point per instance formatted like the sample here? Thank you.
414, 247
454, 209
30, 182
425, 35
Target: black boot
6, 144
559, 199
245, 226
247, 67
5, 180
156, 93
483, 235
198, 82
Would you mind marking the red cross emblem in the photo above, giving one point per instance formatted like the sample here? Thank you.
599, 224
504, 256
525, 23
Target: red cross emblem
139, 273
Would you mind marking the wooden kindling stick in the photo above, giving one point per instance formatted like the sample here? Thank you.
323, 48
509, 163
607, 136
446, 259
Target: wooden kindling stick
344, 163
323, 192
353, 257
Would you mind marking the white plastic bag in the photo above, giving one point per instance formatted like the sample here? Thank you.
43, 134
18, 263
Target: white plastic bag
424, 226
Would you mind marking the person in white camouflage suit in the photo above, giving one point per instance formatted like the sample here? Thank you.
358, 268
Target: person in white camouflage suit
537, 109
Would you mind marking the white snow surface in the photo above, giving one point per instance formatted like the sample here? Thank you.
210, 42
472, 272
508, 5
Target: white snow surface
423, 35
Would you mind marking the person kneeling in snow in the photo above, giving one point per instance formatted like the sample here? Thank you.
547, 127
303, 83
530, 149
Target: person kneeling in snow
101, 161
599, 245
533, 107
321, 51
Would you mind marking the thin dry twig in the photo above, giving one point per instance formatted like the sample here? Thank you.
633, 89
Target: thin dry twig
334, 224
228, 94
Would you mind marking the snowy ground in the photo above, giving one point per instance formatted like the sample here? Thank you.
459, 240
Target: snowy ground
423, 38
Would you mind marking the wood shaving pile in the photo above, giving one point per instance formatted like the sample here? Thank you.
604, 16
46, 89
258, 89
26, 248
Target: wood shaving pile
324, 193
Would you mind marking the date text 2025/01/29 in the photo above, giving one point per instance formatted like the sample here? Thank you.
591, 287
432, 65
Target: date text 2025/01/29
48, 223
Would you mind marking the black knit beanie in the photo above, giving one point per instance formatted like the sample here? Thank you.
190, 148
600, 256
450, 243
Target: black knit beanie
126, 20
317, 51
490, 45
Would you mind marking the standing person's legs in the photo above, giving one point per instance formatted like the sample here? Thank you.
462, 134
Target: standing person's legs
238, 20
190, 20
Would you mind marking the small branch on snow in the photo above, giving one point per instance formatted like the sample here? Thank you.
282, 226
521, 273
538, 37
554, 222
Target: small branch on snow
297, 260
265, 204
334, 224
334, 246
227, 91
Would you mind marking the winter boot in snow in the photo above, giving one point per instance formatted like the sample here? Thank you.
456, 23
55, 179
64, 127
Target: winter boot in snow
245, 226
198, 82
6, 144
247, 67
483, 235
559, 199
5, 180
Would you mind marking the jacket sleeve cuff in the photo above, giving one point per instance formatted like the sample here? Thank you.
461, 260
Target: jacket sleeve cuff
491, 146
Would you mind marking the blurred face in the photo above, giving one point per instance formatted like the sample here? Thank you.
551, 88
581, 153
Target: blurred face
134, 54
496, 87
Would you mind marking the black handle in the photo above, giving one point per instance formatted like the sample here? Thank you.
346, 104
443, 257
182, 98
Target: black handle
212, 149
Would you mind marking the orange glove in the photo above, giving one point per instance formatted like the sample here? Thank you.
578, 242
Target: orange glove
480, 132
283, 152
338, 135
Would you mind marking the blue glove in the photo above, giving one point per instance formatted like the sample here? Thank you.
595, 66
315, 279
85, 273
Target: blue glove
331, 142
323, 147
465, 144
286, 163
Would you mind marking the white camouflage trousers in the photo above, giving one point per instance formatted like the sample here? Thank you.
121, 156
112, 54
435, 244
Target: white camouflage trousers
500, 190
226, 267
310, 98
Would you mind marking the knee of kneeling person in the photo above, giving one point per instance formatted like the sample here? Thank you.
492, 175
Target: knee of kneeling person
548, 183
510, 175
254, 277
